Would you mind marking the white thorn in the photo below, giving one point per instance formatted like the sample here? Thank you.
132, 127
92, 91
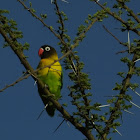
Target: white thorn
61, 0
128, 112
94, 125
73, 69
135, 91
68, 124
65, 1
129, 41
45, 106
97, 1
42, 111
137, 60
35, 83
134, 104
118, 132
104, 105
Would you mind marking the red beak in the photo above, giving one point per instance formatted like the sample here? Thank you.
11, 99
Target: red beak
40, 52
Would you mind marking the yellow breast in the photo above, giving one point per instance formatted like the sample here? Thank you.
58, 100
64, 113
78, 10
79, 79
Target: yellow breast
56, 67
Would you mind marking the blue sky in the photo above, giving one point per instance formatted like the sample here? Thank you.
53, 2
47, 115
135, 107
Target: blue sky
20, 105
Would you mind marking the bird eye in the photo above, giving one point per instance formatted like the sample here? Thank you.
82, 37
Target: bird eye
47, 48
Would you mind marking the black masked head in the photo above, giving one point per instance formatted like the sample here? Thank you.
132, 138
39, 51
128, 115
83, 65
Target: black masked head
47, 51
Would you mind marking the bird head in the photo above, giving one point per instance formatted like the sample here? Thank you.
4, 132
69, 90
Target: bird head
47, 51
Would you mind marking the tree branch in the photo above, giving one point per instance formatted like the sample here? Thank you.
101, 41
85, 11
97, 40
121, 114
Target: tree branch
129, 11
60, 18
126, 83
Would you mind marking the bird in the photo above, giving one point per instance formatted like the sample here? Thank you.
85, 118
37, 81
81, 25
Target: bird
51, 76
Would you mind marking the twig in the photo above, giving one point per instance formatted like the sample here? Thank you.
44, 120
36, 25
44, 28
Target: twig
94, 126
111, 96
17, 81
122, 51
114, 36
113, 14
61, 19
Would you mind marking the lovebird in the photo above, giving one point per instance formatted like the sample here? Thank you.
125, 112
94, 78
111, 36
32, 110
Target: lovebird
51, 76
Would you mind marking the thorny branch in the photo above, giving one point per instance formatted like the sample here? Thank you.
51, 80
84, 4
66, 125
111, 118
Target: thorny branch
118, 18
129, 11
60, 18
126, 81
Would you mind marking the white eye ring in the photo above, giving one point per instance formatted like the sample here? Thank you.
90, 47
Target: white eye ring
47, 48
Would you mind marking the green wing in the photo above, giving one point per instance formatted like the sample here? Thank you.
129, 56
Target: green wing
53, 80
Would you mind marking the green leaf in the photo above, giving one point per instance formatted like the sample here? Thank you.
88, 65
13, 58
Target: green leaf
43, 16
30, 4
117, 87
121, 74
